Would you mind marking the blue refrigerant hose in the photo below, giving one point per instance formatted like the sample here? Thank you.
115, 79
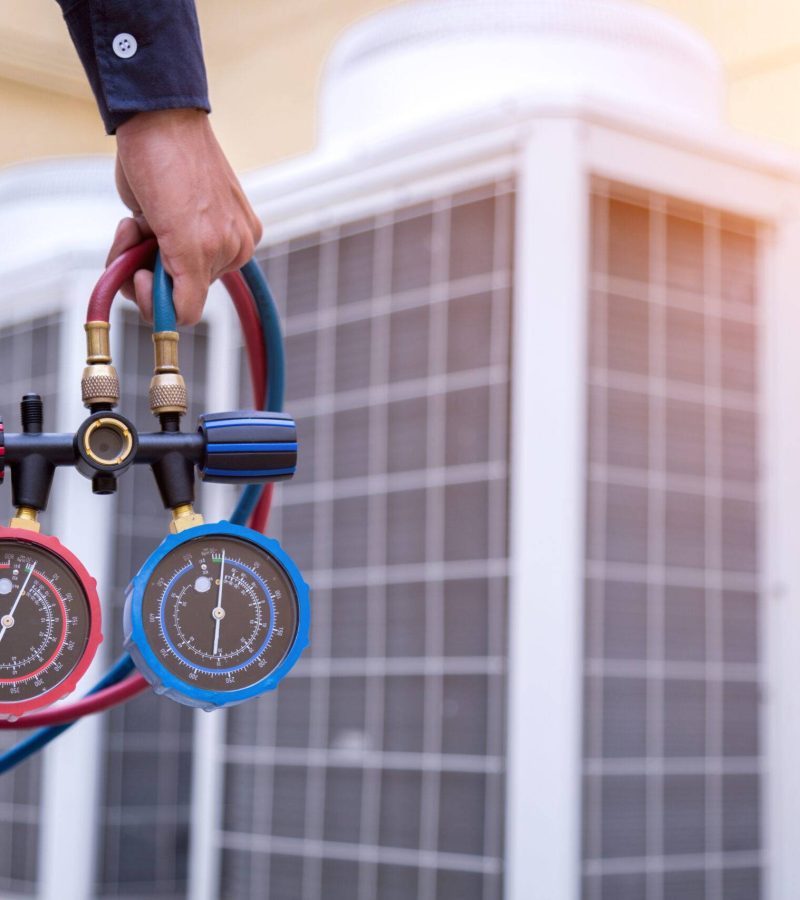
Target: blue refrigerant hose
276, 369
164, 319
41, 738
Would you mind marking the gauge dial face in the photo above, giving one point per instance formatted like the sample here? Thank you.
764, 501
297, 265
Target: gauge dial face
220, 612
45, 621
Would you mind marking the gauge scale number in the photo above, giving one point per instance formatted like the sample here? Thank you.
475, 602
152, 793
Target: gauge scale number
44, 621
221, 614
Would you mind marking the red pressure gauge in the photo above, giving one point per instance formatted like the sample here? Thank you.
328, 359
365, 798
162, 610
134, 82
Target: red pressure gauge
49, 621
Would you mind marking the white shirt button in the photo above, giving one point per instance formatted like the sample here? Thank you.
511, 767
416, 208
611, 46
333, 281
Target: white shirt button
125, 45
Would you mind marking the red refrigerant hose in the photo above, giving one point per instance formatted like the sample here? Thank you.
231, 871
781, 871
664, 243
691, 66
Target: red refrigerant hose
94, 703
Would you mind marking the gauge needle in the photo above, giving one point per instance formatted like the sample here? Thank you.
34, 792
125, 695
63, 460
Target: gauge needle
14, 607
218, 612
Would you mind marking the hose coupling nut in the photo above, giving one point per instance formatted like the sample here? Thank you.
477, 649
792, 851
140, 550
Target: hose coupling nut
168, 394
100, 384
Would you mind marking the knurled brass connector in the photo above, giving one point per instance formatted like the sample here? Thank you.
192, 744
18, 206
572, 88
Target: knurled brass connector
184, 517
99, 382
27, 518
168, 392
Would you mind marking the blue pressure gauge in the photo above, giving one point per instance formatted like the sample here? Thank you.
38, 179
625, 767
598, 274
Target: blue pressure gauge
218, 614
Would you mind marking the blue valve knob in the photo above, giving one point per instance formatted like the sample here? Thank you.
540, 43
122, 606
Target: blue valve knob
248, 446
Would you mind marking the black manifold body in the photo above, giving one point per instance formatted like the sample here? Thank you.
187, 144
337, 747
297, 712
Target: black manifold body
239, 447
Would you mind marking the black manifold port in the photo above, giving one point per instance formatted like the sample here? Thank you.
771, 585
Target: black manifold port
105, 446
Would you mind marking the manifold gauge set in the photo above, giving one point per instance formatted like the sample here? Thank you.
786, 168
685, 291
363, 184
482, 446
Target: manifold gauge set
218, 613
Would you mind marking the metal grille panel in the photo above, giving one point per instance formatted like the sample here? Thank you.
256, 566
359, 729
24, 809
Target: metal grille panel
376, 770
672, 747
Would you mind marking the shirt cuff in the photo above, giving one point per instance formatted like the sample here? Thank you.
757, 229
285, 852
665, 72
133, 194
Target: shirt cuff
165, 69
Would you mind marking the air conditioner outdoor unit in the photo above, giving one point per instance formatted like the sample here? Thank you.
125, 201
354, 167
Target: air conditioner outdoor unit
541, 317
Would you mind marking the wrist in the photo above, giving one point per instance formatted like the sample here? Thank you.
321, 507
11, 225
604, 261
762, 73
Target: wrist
160, 120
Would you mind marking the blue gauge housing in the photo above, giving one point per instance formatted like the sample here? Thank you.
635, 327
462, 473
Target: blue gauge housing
152, 648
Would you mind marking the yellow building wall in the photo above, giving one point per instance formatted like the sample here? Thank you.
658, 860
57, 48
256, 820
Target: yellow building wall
265, 60
759, 44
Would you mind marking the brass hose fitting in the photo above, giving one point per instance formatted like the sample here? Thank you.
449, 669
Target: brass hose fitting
100, 382
184, 517
27, 518
167, 388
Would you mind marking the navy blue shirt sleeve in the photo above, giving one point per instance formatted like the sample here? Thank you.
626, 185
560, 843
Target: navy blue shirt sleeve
166, 71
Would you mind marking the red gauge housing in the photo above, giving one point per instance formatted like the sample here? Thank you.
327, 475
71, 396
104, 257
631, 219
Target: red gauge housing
49, 621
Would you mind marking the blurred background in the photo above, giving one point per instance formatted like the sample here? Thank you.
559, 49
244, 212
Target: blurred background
538, 264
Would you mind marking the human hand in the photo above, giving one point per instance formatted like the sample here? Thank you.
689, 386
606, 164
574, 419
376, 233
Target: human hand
173, 176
